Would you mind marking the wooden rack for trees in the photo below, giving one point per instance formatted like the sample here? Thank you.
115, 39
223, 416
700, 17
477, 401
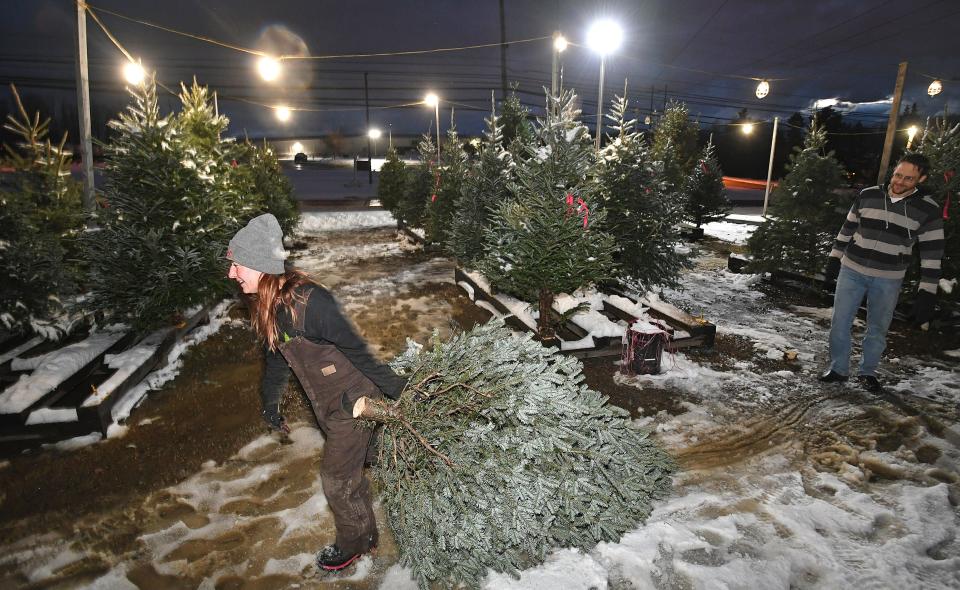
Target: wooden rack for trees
686, 330
66, 404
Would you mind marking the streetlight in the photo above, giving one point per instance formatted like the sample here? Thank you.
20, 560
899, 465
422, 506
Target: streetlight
134, 73
374, 134
603, 37
746, 128
269, 68
911, 133
282, 112
432, 100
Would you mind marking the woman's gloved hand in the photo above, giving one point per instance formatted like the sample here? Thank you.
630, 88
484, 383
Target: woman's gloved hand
275, 420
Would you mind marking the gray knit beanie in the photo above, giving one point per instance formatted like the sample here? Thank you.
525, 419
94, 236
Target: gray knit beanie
259, 245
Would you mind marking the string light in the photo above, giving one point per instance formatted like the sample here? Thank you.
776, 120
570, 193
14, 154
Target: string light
269, 68
134, 73
763, 89
747, 128
935, 88
283, 113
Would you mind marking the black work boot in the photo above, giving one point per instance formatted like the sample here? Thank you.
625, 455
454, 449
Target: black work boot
332, 559
831, 376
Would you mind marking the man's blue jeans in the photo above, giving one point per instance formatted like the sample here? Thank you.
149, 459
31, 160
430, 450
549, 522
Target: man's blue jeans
882, 295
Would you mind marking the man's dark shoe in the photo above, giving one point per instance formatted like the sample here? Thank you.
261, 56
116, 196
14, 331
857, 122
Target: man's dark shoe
831, 376
869, 382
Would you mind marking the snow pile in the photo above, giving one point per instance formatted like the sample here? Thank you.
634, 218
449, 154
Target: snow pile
312, 222
737, 233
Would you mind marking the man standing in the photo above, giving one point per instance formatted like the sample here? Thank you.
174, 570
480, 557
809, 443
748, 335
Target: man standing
869, 259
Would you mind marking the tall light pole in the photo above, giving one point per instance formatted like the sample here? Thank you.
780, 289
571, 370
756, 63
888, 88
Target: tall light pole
432, 100
773, 148
83, 102
604, 37
559, 46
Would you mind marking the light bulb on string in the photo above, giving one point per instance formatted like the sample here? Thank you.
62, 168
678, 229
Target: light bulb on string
134, 73
269, 68
935, 88
763, 89
282, 112
911, 133
747, 128
560, 43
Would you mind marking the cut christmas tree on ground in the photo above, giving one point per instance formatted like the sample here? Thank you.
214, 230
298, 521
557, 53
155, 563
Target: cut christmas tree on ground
497, 454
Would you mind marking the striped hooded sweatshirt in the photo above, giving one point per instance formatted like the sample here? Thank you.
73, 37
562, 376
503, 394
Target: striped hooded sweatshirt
878, 236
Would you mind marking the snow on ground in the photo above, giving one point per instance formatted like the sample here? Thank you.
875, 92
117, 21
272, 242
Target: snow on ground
783, 483
312, 222
729, 231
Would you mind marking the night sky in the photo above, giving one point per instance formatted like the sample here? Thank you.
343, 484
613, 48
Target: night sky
846, 50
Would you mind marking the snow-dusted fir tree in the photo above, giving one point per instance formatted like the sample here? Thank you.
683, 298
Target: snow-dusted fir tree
452, 174
805, 211
496, 454
517, 130
706, 198
548, 238
271, 192
40, 217
391, 182
419, 185
162, 235
486, 185
640, 213
675, 144
941, 145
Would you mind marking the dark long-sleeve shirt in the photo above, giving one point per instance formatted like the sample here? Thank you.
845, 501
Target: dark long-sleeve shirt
324, 323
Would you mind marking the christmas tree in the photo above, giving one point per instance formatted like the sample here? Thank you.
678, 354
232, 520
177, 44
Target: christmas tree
640, 213
675, 144
548, 238
497, 453
170, 211
517, 131
451, 175
485, 186
40, 218
941, 145
420, 185
392, 183
270, 189
706, 198
805, 211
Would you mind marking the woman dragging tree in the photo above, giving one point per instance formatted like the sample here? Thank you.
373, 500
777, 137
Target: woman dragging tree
301, 327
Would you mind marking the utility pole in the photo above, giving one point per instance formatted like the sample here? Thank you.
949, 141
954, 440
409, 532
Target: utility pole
892, 123
773, 148
83, 104
503, 53
554, 70
366, 100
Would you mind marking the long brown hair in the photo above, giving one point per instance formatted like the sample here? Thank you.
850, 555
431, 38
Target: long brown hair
272, 292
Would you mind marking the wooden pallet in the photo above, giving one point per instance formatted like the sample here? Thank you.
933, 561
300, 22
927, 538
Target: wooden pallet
81, 402
700, 332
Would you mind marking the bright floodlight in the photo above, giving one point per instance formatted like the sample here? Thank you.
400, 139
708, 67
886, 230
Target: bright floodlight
604, 36
431, 100
133, 73
747, 128
283, 113
763, 89
912, 132
297, 147
374, 133
560, 43
269, 68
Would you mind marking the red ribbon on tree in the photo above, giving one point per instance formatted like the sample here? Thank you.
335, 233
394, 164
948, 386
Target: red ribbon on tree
582, 208
233, 164
703, 166
569, 204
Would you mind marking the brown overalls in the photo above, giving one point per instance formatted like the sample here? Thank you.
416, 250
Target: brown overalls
333, 384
